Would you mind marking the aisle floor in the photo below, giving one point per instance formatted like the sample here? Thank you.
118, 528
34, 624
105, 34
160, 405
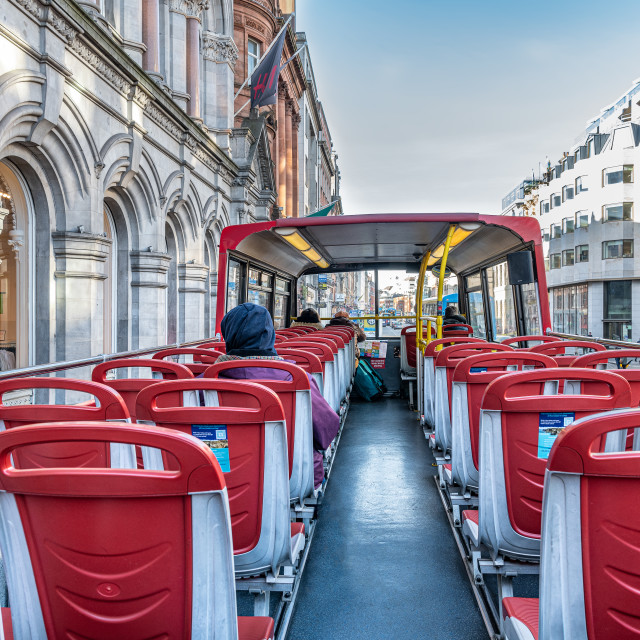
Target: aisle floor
383, 563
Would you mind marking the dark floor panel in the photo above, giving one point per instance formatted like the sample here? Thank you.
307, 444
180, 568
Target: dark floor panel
383, 562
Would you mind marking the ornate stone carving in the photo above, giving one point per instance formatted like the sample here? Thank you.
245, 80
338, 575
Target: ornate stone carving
296, 120
100, 66
31, 6
191, 8
253, 24
289, 107
141, 97
62, 26
98, 167
219, 48
159, 117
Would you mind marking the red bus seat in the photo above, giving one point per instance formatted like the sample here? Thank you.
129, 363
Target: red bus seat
522, 342
428, 371
349, 336
446, 361
128, 388
558, 350
292, 332
521, 414
327, 354
408, 348
280, 339
217, 345
306, 360
255, 460
460, 329
344, 358
111, 553
590, 559
470, 379
202, 358
295, 396
106, 405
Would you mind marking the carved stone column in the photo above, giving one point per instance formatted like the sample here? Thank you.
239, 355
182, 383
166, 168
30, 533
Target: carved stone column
149, 298
281, 169
194, 10
192, 279
151, 37
295, 124
289, 138
177, 50
219, 54
80, 260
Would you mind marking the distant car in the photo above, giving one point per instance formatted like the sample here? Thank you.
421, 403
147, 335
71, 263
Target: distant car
396, 324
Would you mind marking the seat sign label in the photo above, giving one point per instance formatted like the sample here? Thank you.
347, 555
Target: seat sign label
215, 437
549, 426
478, 370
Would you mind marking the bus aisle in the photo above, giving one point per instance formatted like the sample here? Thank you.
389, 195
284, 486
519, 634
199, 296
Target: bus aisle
384, 563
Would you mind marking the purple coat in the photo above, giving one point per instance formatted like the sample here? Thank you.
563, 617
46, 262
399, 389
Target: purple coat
325, 420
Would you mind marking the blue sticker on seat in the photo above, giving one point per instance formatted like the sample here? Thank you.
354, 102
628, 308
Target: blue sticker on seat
478, 370
549, 426
215, 437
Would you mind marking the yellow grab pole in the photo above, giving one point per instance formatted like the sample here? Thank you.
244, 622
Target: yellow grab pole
428, 333
443, 266
421, 276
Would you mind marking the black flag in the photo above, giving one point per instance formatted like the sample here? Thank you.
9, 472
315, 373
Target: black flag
264, 79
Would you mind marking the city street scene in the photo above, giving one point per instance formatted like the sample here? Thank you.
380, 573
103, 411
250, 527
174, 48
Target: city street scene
319, 320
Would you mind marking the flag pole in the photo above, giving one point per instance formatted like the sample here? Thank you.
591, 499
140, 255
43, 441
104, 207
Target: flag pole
284, 26
242, 107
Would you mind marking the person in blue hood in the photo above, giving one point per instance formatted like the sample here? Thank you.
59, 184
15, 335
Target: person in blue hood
248, 331
249, 335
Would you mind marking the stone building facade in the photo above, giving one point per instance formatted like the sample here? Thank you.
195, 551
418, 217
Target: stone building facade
119, 167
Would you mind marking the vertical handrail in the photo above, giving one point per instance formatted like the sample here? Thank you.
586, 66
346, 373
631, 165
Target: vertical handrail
443, 267
420, 343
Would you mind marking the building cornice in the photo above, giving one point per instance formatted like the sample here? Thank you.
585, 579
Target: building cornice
219, 48
91, 44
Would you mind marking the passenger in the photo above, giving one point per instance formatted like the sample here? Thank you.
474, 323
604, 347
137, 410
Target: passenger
451, 316
308, 318
341, 318
249, 335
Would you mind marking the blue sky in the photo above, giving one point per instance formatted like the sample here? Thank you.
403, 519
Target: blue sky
446, 106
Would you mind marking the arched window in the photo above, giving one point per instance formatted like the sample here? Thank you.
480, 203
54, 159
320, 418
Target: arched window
110, 287
16, 294
172, 285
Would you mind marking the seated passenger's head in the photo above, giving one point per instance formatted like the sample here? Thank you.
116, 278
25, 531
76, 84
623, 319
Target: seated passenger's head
248, 331
450, 311
341, 314
308, 315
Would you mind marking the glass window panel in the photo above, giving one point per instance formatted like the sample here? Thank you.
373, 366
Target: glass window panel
258, 297
567, 258
617, 300
473, 281
617, 212
567, 193
352, 291
476, 313
555, 260
531, 308
556, 231
582, 219
397, 297
282, 285
544, 206
501, 305
558, 318
582, 253
254, 276
280, 306
627, 173
581, 184
617, 249
568, 225
583, 309
234, 283
265, 280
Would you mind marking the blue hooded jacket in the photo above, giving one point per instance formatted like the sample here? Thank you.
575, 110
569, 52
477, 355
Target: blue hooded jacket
248, 331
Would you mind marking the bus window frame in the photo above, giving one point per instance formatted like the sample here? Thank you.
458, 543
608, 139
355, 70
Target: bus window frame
249, 263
